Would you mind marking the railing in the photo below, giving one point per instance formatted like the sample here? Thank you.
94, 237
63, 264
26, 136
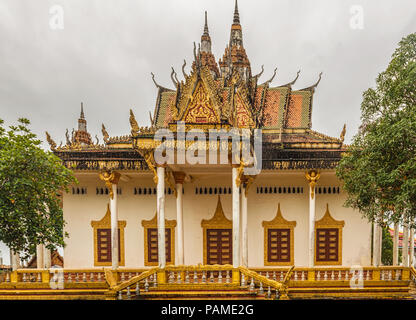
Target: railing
260, 281
67, 275
413, 274
384, 273
197, 277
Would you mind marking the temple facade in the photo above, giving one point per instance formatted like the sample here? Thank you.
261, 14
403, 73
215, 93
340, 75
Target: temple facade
129, 210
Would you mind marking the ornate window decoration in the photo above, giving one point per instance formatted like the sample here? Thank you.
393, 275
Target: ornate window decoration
278, 240
328, 240
217, 235
151, 241
102, 240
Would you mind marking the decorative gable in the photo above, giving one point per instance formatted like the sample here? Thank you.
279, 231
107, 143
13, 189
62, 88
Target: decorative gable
200, 110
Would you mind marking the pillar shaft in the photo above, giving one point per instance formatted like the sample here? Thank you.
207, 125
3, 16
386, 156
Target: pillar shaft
405, 246
244, 235
377, 245
47, 260
311, 248
161, 216
179, 220
236, 219
14, 260
396, 245
39, 256
114, 228
412, 247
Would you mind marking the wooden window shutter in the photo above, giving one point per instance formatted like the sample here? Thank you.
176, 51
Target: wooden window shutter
278, 242
327, 244
219, 246
104, 245
152, 245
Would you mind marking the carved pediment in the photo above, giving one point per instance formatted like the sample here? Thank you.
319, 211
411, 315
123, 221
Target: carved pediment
199, 100
219, 220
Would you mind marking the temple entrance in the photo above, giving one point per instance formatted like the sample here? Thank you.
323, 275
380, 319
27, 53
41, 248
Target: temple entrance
219, 246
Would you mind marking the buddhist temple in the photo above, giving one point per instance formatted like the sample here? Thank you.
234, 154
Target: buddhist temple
146, 226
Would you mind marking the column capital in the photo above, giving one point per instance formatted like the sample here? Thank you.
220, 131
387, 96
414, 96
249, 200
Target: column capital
179, 177
312, 176
110, 178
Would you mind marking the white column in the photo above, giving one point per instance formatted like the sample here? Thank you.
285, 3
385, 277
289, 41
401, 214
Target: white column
114, 228
39, 256
377, 245
47, 261
236, 219
396, 245
161, 216
412, 247
405, 246
14, 260
311, 249
179, 220
244, 235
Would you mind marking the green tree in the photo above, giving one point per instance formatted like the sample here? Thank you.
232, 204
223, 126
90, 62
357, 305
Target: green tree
379, 168
30, 183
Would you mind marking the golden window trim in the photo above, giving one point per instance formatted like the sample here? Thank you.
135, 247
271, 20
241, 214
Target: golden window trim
328, 222
105, 223
279, 222
152, 223
218, 221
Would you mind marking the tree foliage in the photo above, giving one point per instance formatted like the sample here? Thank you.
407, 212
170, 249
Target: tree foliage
379, 168
30, 183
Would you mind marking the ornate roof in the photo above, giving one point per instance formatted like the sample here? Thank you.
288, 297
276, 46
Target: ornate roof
220, 95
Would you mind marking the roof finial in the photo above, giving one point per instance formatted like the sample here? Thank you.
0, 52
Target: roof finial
82, 111
236, 14
206, 31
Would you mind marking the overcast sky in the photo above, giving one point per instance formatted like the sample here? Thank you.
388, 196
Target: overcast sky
106, 50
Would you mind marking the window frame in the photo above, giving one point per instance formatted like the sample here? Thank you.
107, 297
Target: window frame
105, 223
279, 222
328, 222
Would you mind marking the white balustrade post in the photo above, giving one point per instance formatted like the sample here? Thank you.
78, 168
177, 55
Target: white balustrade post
39, 256
161, 216
179, 179
396, 245
236, 218
312, 177
244, 235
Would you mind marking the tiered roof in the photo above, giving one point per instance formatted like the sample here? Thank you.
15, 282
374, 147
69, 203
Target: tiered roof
223, 94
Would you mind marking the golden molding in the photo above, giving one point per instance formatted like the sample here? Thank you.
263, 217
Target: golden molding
327, 221
169, 224
105, 223
279, 222
218, 221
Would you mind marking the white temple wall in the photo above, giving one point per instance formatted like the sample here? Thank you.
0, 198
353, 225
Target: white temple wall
80, 210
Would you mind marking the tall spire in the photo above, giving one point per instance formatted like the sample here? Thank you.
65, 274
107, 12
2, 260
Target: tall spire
206, 32
82, 111
81, 136
205, 38
236, 14
82, 123
235, 57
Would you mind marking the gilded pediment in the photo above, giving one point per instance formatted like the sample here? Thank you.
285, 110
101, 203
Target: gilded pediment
199, 100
